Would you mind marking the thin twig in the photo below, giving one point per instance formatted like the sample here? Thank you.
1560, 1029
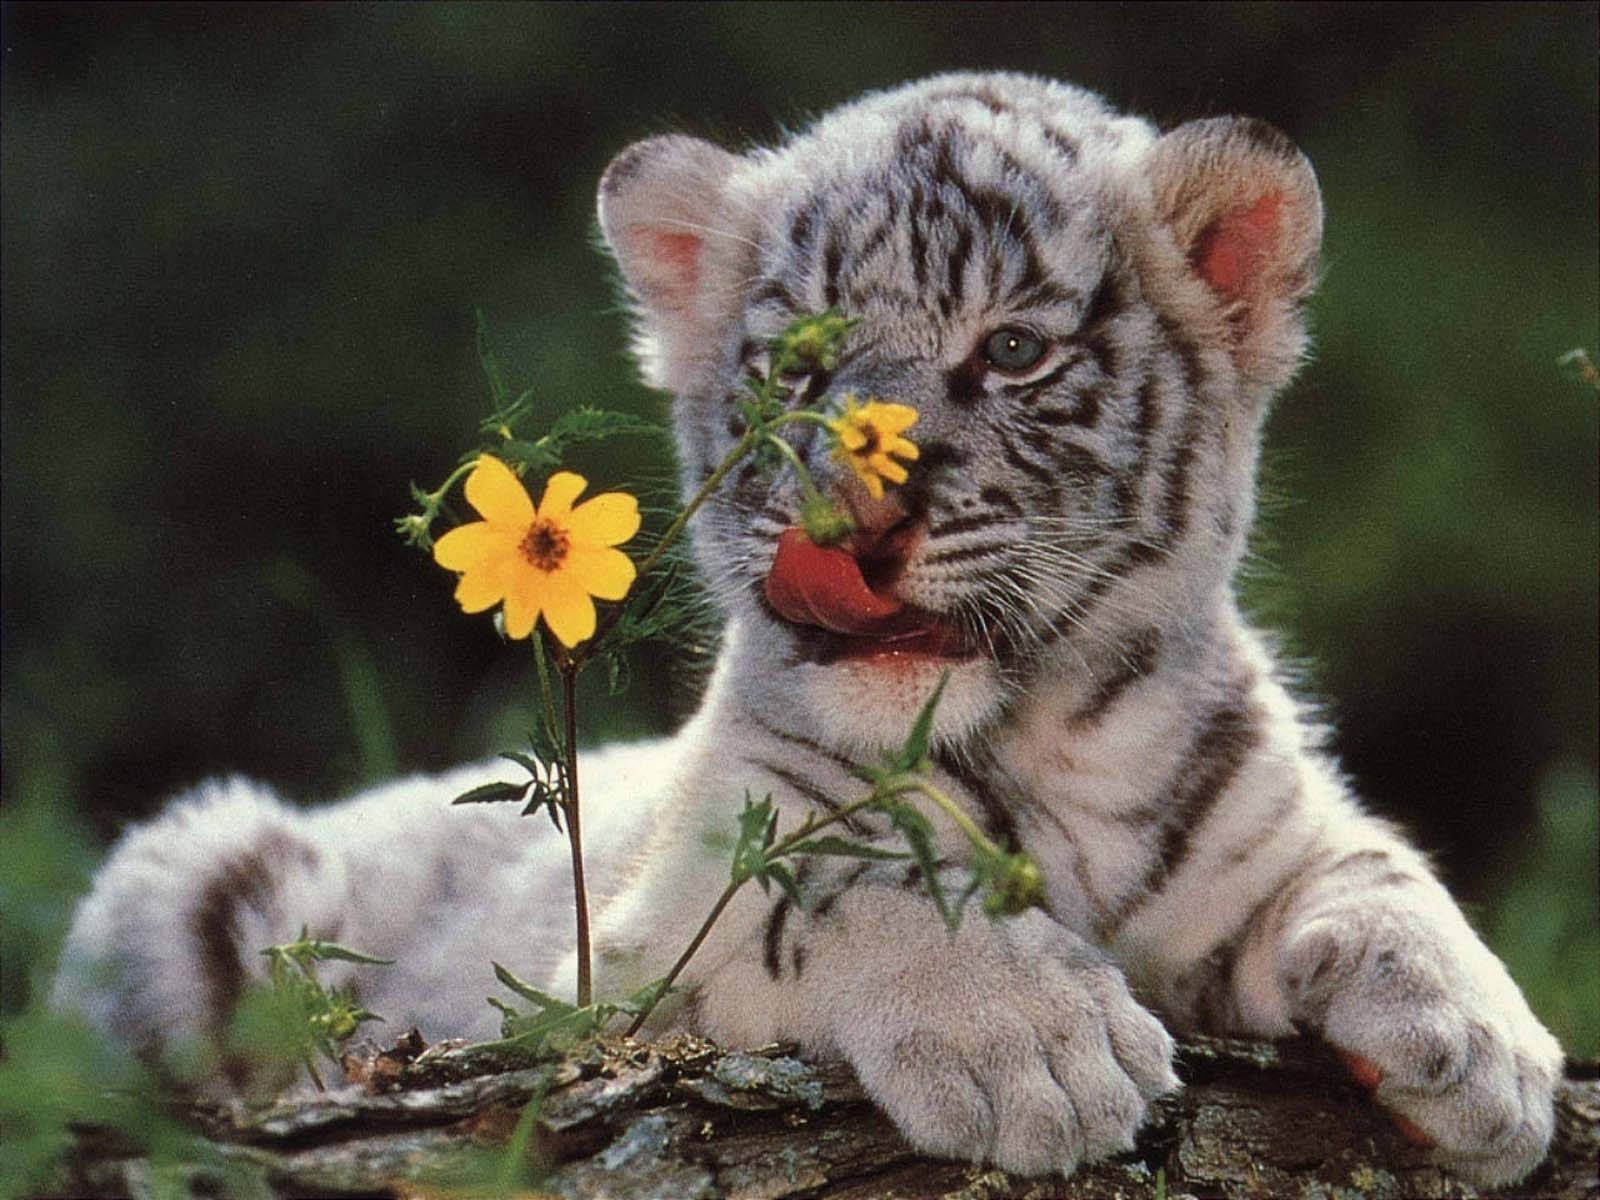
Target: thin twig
580, 895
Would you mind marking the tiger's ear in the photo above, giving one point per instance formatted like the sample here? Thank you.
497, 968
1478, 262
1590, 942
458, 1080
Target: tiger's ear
1242, 202
662, 211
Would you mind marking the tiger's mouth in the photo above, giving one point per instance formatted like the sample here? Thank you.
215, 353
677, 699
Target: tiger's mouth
844, 609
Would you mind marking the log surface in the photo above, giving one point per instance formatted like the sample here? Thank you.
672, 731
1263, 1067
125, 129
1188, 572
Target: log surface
621, 1120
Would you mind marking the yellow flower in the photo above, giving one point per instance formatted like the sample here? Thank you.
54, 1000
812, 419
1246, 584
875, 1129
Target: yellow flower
545, 561
868, 439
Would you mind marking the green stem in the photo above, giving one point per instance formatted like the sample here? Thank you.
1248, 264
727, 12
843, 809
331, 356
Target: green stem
580, 895
735, 455
963, 822
779, 849
742, 447
808, 489
436, 497
546, 693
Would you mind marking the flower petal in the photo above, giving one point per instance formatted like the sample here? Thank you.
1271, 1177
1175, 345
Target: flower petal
606, 520
521, 610
901, 448
886, 467
567, 609
481, 587
495, 491
564, 487
890, 418
465, 546
601, 571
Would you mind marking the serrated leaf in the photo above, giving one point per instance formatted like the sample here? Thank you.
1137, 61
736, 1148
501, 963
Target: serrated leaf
527, 991
491, 793
333, 952
756, 824
919, 835
645, 998
838, 847
911, 755
532, 457
586, 424
546, 798
531, 766
785, 880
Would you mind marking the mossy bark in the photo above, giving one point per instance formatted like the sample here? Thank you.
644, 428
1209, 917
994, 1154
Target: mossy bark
624, 1120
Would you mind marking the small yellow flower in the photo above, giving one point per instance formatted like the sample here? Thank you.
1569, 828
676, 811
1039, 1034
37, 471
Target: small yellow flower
868, 439
544, 561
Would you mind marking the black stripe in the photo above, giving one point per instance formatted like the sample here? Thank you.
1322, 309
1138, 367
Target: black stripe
938, 454
1061, 143
244, 882
919, 239
814, 795
981, 96
1225, 742
869, 244
1043, 474
800, 228
824, 904
1138, 660
806, 743
1074, 460
776, 920
958, 554
1000, 498
832, 256
1047, 294
961, 525
772, 289
957, 268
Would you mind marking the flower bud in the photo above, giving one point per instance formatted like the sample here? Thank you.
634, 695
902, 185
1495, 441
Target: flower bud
813, 343
825, 523
1017, 886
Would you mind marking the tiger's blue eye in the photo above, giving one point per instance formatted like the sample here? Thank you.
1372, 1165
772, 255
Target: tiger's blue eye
1013, 350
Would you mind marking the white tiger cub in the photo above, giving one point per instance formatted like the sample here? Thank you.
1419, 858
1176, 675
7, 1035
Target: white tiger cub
1091, 318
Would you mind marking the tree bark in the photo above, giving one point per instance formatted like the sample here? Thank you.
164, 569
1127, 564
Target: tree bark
623, 1120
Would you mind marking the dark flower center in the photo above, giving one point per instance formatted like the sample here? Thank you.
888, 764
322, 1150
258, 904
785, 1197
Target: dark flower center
545, 544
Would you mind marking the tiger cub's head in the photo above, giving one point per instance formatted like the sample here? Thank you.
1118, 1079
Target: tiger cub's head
1089, 318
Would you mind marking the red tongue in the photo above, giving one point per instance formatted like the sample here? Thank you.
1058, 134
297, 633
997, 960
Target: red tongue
822, 585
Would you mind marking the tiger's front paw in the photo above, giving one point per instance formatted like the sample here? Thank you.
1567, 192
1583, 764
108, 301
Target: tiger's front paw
1053, 1065
1444, 1040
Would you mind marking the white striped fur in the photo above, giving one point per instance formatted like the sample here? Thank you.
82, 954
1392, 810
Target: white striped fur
1081, 523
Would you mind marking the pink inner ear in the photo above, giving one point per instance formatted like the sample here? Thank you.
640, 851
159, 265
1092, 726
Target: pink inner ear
677, 260
1231, 251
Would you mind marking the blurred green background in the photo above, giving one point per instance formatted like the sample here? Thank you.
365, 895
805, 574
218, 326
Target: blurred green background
243, 247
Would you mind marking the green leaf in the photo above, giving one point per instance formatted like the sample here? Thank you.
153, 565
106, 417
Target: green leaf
534, 457
333, 952
646, 998
919, 835
756, 824
527, 991
838, 847
586, 424
531, 766
785, 880
492, 793
915, 751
